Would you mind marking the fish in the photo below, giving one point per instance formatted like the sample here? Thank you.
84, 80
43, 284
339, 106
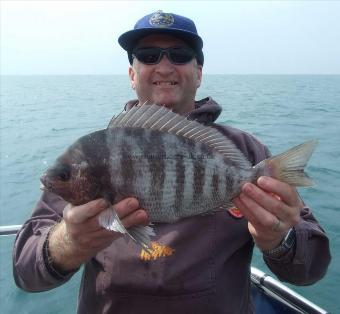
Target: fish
174, 166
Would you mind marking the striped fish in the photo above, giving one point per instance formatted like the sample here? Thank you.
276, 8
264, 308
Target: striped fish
175, 167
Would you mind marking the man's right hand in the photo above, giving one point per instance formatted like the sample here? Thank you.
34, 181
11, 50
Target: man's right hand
78, 237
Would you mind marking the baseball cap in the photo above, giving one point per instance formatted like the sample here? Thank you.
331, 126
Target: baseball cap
160, 22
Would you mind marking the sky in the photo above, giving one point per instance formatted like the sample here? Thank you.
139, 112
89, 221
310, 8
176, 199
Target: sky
240, 37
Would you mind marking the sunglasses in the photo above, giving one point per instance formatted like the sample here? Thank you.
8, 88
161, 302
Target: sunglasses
153, 55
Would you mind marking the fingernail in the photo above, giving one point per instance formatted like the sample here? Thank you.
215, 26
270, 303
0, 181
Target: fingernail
247, 188
103, 202
142, 215
132, 204
262, 181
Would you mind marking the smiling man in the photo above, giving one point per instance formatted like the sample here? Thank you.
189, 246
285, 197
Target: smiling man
199, 264
172, 74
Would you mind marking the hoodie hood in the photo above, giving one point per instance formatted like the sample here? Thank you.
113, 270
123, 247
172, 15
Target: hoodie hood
206, 110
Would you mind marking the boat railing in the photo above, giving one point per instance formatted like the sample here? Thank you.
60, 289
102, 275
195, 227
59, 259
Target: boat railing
9, 230
275, 289
261, 281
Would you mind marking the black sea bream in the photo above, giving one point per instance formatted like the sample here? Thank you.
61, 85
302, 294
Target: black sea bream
175, 167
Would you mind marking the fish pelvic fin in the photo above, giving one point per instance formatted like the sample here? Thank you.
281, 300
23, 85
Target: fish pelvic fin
289, 166
109, 220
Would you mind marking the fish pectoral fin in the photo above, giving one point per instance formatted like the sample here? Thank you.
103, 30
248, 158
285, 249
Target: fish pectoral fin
141, 235
109, 220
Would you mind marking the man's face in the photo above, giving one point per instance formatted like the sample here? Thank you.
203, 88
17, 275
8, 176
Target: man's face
166, 84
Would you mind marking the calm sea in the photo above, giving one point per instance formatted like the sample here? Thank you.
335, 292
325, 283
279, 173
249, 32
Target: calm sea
41, 115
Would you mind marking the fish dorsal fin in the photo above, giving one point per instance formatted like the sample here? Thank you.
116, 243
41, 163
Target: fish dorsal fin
159, 118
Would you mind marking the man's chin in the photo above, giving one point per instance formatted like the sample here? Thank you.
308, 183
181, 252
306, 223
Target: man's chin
168, 105
171, 103
165, 103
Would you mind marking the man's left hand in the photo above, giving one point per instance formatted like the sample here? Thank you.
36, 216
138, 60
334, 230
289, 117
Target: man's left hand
271, 207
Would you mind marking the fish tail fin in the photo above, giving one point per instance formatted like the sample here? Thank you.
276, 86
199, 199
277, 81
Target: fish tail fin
140, 234
289, 166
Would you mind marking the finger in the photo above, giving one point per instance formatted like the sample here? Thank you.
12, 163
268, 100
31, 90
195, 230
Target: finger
267, 201
287, 193
123, 209
246, 212
253, 222
138, 217
126, 207
238, 203
79, 214
261, 217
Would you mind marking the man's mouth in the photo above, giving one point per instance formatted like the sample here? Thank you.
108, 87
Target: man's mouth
165, 83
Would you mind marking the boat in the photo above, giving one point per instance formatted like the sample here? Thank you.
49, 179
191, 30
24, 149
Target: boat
270, 296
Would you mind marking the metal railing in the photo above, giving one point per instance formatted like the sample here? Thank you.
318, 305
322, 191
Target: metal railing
9, 230
282, 293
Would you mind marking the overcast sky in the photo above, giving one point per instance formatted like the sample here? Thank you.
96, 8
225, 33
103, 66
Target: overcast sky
240, 37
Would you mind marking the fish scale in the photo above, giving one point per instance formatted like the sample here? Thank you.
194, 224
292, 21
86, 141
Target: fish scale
149, 164
175, 167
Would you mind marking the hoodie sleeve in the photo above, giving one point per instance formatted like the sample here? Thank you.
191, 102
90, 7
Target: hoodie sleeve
308, 260
30, 267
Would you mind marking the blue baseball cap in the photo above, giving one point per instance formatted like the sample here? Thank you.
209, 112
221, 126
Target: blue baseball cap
160, 22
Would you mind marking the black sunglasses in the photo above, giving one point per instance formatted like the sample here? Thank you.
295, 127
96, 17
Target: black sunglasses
153, 55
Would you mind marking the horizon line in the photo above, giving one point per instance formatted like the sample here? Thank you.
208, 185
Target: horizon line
113, 74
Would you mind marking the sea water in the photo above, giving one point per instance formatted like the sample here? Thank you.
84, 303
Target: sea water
42, 115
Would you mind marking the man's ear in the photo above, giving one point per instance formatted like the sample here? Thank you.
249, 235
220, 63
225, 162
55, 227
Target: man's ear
199, 75
132, 77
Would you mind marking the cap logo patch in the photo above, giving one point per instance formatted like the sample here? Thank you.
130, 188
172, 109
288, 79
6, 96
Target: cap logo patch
161, 19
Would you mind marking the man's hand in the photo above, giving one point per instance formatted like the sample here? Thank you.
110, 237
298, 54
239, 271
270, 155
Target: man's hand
271, 208
78, 237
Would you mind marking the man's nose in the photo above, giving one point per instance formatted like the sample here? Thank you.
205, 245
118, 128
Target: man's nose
164, 64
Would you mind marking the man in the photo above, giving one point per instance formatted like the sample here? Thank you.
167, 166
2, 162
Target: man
198, 265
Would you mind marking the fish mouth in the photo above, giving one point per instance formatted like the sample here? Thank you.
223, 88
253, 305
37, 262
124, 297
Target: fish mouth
45, 185
42, 187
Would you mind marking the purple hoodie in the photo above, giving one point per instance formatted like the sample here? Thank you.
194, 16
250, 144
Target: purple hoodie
199, 264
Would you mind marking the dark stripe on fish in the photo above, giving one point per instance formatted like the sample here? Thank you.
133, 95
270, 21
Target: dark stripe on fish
199, 174
127, 163
216, 183
156, 163
96, 153
180, 181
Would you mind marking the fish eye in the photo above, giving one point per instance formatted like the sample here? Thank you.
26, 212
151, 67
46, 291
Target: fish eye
64, 176
63, 172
